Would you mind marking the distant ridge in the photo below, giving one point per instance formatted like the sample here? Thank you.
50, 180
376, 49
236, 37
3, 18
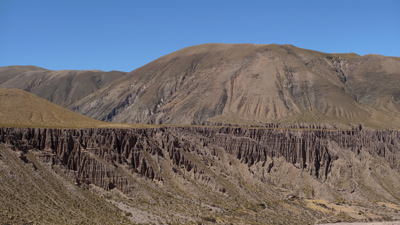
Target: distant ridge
63, 87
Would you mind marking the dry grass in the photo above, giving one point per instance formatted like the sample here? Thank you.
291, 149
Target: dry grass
389, 205
22, 109
32, 193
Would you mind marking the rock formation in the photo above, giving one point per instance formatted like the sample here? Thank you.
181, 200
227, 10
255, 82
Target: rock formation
94, 154
229, 164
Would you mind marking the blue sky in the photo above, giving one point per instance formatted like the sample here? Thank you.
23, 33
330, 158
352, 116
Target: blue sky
124, 35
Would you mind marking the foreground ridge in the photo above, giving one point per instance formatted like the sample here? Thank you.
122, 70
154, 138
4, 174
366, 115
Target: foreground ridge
226, 174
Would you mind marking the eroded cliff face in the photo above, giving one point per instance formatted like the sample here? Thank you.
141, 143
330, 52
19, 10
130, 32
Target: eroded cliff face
95, 153
216, 162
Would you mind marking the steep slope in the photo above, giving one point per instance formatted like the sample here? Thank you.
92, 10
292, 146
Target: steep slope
193, 175
20, 108
32, 192
62, 87
253, 84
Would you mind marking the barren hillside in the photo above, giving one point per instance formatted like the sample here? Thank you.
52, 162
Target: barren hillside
253, 84
22, 109
62, 87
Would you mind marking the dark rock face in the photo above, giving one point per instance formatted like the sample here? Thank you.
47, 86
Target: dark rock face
97, 156
308, 149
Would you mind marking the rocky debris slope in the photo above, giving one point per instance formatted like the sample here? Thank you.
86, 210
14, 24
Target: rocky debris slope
33, 193
218, 162
90, 152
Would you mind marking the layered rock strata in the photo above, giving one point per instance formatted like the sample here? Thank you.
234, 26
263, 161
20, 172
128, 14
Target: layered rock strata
97, 156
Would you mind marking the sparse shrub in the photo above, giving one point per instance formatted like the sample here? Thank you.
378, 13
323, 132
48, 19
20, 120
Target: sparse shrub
323, 205
263, 206
209, 219
128, 214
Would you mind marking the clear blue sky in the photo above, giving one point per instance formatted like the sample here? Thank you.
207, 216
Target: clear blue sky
124, 35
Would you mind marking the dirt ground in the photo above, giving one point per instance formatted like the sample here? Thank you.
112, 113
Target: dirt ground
372, 223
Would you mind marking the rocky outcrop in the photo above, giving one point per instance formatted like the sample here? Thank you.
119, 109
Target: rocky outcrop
98, 156
308, 149
307, 126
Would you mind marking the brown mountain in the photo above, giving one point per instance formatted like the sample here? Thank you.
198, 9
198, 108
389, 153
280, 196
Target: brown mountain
206, 174
253, 84
62, 87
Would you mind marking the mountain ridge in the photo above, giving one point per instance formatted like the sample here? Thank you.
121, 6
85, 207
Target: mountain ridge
242, 84
267, 83
62, 87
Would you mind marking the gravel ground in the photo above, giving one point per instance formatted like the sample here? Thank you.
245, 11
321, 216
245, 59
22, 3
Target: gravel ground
372, 223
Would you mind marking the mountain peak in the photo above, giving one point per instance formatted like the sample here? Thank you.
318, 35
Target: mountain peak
251, 84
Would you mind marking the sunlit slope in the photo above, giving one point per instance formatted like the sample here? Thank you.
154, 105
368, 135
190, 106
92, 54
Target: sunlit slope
20, 108
253, 84
63, 87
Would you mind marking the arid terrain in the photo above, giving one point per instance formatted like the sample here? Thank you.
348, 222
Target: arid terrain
225, 175
242, 84
210, 134
253, 84
19, 108
63, 87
